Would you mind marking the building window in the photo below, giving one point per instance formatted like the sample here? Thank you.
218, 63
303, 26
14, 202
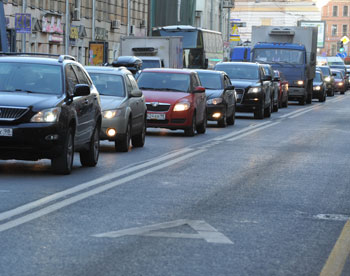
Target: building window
266, 21
335, 10
345, 30
334, 30
345, 10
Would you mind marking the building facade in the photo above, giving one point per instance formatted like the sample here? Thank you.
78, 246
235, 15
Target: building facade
89, 24
248, 13
336, 14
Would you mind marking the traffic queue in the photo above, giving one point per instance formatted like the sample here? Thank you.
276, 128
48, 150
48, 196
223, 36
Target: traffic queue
53, 107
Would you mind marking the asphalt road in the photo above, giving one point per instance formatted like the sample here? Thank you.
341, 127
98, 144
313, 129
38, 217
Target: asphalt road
262, 197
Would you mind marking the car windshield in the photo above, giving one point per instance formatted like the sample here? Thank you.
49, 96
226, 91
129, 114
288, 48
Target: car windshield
318, 77
325, 71
239, 71
279, 55
210, 80
164, 81
108, 84
30, 78
338, 74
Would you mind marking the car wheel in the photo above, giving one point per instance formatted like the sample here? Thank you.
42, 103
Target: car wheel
201, 129
302, 101
192, 130
63, 164
275, 107
89, 158
268, 110
123, 142
259, 113
231, 119
342, 93
332, 94
139, 139
222, 122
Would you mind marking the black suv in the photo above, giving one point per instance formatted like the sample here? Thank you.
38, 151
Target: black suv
252, 86
49, 109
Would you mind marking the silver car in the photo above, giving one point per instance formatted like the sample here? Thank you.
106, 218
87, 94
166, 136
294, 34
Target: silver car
123, 107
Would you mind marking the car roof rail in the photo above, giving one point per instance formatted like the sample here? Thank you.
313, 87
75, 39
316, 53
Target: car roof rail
27, 54
61, 58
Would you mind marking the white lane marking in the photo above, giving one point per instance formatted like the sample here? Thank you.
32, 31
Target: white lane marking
66, 202
224, 137
4, 191
37, 203
204, 230
252, 131
302, 110
301, 113
336, 217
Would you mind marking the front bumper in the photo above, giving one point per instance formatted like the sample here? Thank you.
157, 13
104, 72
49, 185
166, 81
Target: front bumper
215, 109
172, 120
118, 123
32, 141
296, 92
249, 102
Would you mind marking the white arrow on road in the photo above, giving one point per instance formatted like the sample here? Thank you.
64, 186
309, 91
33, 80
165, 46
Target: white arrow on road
203, 229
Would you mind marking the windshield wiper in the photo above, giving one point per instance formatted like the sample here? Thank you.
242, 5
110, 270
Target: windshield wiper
171, 89
148, 88
23, 90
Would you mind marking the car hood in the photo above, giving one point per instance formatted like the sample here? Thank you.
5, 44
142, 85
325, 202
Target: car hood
244, 83
213, 93
37, 101
165, 96
110, 102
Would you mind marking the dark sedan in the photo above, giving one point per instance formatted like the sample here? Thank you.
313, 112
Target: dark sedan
221, 96
252, 87
319, 87
339, 81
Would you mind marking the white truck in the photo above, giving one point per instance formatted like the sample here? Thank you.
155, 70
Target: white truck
291, 50
154, 51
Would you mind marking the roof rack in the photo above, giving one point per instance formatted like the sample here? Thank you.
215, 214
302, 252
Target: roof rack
27, 54
64, 57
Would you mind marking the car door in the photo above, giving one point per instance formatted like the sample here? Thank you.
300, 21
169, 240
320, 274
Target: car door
265, 86
138, 107
79, 106
132, 104
200, 99
90, 101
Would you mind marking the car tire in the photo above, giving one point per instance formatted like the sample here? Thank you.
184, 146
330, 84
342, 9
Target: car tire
122, 143
342, 93
302, 101
259, 113
223, 121
192, 130
332, 93
63, 164
201, 129
89, 158
139, 139
268, 111
275, 107
231, 119
285, 103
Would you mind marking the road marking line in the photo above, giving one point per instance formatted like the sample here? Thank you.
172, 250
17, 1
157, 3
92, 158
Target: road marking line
336, 260
252, 131
66, 202
301, 113
37, 203
224, 137
204, 230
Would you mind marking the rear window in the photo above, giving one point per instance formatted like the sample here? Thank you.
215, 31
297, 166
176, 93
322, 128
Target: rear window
30, 77
239, 71
108, 84
164, 81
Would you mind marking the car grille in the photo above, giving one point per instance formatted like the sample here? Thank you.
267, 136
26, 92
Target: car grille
157, 122
11, 113
158, 106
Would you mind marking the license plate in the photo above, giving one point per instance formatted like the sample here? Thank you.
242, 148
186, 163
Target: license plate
6, 132
155, 116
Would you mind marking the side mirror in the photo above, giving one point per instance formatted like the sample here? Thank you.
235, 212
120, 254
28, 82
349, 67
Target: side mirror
81, 90
199, 89
136, 93
334, 74
230, 87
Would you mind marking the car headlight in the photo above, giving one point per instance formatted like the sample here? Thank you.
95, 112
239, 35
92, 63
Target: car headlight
214, 101
300, 82
109, 114
254, 90
340, 83
182, 106
317, 88
327, 79
50, 115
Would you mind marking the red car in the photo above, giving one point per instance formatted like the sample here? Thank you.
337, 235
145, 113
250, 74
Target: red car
175, 99
283, 88
339, 81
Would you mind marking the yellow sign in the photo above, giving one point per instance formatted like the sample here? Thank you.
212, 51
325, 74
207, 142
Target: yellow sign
345, 40
234, 36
